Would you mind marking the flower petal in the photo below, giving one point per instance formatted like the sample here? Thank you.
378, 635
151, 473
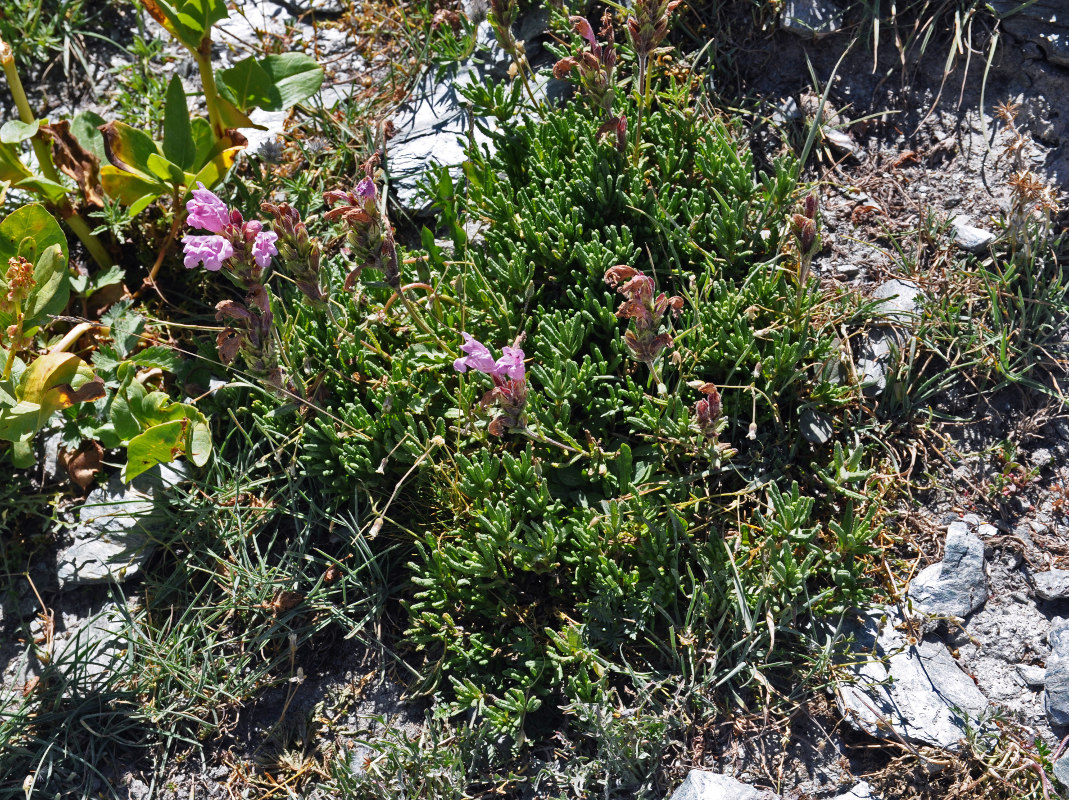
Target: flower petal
477, 358
206, 211
510, 364
263, 247
211, 251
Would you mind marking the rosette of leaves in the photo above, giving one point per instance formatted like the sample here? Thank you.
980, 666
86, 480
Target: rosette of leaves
31, 393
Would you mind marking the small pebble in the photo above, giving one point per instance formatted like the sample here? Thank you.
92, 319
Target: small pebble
969, 237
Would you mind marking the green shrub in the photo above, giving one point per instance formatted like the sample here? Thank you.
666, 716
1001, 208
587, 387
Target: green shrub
607, 530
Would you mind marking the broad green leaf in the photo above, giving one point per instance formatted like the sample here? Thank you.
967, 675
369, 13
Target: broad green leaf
122, 418
140, 205
128, 188
86, 129
165, 170
128, 149
51, 383
247, 85
22, 454
11, 167
234, 117
157, 356
18, 421
49, 190
178, 144
15, 130
199, 446
203, 140
28, 231
296, 77
159, 444
273, 83
188, 21
214, 170
52, 289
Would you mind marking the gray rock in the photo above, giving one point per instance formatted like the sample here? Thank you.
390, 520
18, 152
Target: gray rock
916, 690
1057, 677
786, 109
1061, 770
432, 128
815, 427
863, 791
701, 785
986, 530
841, 141
957, 585
1032, 675
899, 300
877, 360
811, 19
1040, 457
116, 526
969, 237
271, 125
1052, 584
93, 649
1044, 22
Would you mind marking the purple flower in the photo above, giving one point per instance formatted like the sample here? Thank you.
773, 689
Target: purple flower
212, 251
582, 27
366, 189
206, 211
263, 247
477, 358
510, 365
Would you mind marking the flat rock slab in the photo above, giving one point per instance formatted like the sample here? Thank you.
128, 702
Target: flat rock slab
863, 791
969, 237
957, 585
1052, 584
116, 525
432, 127
1045, 22
811, 19
701, 785
1057, 676
916, 690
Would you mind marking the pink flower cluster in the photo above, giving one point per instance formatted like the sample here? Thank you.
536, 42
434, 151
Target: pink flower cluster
510, 387
232, 237
478, 357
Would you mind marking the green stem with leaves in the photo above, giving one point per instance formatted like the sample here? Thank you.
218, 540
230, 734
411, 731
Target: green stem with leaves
643, 103
44, 159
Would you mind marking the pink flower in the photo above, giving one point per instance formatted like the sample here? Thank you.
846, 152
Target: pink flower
206, 211
263, 247
510, 365
477, 358
212, 251
366, 189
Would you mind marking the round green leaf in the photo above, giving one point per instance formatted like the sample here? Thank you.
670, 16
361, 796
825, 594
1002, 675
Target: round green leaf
29, 231
15, 130
158, 445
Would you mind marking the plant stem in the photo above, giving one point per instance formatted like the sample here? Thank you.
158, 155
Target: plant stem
203, 56
643, 102
14, 341
421, 323
44, 160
